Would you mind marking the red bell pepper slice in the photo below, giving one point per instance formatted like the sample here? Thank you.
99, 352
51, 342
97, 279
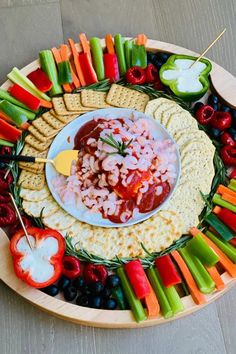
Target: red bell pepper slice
41, 266
167, 271
25, 97
40, 79
227, 217
111, 67
8, 132
137, 278
86, 65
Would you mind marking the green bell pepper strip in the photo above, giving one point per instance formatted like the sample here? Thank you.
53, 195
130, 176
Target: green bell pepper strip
64, 72
225, 247
4, 95
219, 201
128, 52
49, 67
97, 55
199, 273
160, 293
18, 78
198, 246
135, 304
6, 143
225, 232
119, 47
118, 294
139, 56
17, 114
173, 83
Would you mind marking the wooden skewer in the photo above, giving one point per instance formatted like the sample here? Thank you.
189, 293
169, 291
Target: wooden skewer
21, 221
209, 47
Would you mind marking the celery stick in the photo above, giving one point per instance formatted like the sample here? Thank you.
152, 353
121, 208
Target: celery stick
201, 276
219, 201
4, 95
232, 185
158, 288
6, 143
135, 304
18, 78
225, 247
174, 299
49, 67
200, 249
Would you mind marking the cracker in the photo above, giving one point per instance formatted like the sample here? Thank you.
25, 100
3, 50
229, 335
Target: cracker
73, 102
162, 108
29, 166
167, 113
60, 107
179, 121
44, 128
46, 206
29, 150
53, 121
154, 104
32, 167
35, 132
94, 99
32, 181
35, 143
59, 220
34, 196
64, 119
124, 97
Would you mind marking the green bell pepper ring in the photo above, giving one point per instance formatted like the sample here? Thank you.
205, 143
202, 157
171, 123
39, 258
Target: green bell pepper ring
190, 84
139, 56
119, 47
97, 55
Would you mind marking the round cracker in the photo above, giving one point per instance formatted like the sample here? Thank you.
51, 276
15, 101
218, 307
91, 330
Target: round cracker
60, 220
48, 205
34, 196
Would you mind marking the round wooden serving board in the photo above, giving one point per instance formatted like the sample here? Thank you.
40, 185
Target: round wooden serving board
225, 85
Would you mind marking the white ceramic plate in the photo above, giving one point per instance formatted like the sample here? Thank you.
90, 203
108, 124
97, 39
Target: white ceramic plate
65, 141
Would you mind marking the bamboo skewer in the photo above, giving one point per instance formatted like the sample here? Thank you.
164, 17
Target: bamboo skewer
209, 47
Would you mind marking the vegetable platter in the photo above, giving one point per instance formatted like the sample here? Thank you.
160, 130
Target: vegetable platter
183, 256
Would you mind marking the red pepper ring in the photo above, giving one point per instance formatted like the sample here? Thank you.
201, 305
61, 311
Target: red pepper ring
4, 197
136, 75
152, 74
7, 215
71, 267
5, 182
228, 155
55, 260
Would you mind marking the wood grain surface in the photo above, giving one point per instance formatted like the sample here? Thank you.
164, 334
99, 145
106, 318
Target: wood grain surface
26, 26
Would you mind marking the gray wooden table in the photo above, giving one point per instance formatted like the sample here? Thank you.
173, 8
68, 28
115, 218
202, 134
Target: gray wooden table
26, 26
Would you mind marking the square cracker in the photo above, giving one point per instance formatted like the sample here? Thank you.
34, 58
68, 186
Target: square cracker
124, 97
31, 181
64, 119
29, 150
73, 102
35, 143
53, 121
32, 167
35, 132
60, 107
94, 99
44, 128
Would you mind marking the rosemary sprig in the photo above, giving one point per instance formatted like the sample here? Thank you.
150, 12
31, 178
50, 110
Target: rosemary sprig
39, 221
120, 147
102, 86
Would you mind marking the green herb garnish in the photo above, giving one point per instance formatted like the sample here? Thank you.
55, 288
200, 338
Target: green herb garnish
120, 147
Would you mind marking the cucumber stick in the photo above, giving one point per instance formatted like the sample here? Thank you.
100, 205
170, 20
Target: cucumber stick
158, 288
119, 47
135, 304
4, 95
225, 247
199, 273
97, 55
224, 231
118, 294
198, 246
49, 67
64, 72
17, 114
18, 78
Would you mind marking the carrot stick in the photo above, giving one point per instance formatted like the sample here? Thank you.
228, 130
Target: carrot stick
141, 39
45, 103
75, 79
216, 277
76, 62
6, 118
197, 296
109, 44
64, 57
226, 263
229, 198
222, 189
58, 59
152, 304
217, 209
85, 44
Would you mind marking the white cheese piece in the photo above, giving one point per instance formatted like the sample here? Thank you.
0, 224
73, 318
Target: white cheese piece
37, 260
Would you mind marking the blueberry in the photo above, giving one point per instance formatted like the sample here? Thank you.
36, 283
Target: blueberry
197, 106
215, 133
95, 301
2, 165
224, 108
151, 58
110, 304
51, 290
85, 290
79, 283
82, 300
70, 293
233, 114
215, 106
212, 99
63, 283
106, 292
96, 287
113, 281
158, 63
163, 56
232, 131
